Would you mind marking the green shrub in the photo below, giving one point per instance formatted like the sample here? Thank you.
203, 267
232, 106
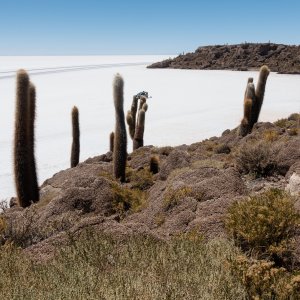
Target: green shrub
258, 159
141, 179
264, 224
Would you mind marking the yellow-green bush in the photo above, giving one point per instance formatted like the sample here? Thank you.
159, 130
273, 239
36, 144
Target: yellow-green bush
264, 224
263, 280
141, 179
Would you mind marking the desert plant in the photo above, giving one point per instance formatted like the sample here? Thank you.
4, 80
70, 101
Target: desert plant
111, 141
259, 94
265, 224
154, 164
257, 159
75, 150
141, 179
120, 140
138, 140
34, 187
21, 142
136, 121
245, 127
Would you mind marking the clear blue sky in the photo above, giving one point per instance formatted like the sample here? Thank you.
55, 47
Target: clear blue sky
83, 27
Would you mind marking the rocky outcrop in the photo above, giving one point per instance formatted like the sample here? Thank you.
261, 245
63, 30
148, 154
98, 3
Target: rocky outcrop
248, 56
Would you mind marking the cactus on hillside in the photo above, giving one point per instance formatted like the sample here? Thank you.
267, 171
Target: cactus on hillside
111, 141
75, 150
154, 164
138, 140
137, 131
120, 140
259, 94
245, 127
21, 164
253, 100
33, 186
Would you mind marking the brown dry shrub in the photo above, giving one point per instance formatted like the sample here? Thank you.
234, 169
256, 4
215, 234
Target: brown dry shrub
258, 159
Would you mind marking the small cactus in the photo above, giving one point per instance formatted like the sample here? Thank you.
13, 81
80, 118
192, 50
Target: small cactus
120, 136
34, 187
111, 141
154, 164
75, 150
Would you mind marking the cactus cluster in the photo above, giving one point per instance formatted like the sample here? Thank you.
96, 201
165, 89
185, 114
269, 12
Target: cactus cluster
136, 121
24, 161
253, 101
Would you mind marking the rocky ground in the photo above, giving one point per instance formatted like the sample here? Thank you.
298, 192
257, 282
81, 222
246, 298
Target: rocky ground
191, 192
279, 58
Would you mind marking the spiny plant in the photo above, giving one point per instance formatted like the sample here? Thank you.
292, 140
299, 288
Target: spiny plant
24, 162
136, 121
154, 164
256, 96
138, 140
34, 187
111, 141
248, 100
120, 136
75, 151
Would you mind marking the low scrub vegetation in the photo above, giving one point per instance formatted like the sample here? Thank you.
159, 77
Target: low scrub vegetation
99, 267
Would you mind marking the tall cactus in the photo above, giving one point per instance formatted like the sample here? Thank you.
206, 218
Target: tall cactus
245, 127
34, 187
120, 140
259, 94
75, 151
21, 164
138, 140
135, 123
111, 141
253, 101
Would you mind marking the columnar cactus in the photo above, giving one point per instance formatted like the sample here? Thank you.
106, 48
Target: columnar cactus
135, 123
138, 140
24, 141
75, 150
259, 93
253, 101
248, 101
34, 187
120, 140
111, 141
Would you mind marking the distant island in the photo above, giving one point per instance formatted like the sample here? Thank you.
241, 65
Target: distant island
284, 59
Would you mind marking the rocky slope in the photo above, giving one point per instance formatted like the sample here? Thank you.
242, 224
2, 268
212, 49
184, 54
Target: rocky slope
191, 192
279, 58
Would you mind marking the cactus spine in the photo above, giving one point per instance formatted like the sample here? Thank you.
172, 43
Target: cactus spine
154, 164
75, 151
111, 141
120, 139
24, 163
34, 187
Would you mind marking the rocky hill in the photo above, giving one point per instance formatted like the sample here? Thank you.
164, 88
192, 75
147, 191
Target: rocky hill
191, 192
279, 58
